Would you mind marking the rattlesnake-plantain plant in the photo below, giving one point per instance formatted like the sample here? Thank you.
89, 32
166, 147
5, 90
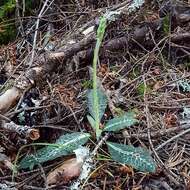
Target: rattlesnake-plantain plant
97, 103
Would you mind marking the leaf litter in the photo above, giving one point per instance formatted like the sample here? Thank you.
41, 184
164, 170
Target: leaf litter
144, 56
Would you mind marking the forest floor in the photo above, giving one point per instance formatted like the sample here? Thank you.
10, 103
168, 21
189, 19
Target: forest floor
143, 67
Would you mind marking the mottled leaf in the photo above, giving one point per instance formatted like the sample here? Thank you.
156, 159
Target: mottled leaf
91, 121
138, 158
185, 85
64, 146
102, 103
121, 122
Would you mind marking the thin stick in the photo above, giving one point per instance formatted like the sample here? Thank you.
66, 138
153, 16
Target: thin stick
169, 173
36, 30
160, 132
104, 139
173, 138
26, 131
100, 35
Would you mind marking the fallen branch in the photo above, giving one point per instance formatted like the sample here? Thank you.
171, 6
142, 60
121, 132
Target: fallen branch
25, 131
8, 99
180, 37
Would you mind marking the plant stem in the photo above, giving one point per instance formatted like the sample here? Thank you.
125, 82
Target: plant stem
95, 94
100, 35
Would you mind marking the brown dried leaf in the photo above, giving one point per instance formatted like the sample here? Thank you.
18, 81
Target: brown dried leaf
126, 170
139, 187
152, 16
157, 85
68, 170
6, 161
34, 134
170, 120
67, 95
1, 30
157, 71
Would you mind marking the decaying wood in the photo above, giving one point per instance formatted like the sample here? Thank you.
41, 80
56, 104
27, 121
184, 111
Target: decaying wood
9, 98
25, 131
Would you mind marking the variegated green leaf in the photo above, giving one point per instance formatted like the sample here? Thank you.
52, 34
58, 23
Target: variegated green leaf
91, 121
185, 85
102, 103
121, 122
138, 158
64, 146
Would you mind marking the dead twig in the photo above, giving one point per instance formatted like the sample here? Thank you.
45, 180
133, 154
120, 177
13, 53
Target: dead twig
47, 63
166, 170
158, 133
36, 29
173, 138
25, 131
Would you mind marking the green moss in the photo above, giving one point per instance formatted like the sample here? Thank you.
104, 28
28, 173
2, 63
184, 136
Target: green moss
8, 34
7, 29
7, 13
119, 111
186, 65
87, 84
7, 8
141, 89
166, 25
135, 73
29, 4
30, 7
